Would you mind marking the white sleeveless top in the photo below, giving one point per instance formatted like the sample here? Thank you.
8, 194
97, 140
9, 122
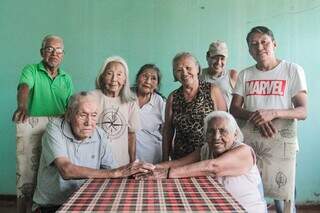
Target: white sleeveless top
223, 82
247, 189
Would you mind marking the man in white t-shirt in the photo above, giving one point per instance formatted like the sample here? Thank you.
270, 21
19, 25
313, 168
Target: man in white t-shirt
216, 72
270, 96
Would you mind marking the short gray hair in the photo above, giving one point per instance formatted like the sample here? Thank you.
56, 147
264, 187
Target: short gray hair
232, 125
51, 37
184, 55
125, 94
74, 103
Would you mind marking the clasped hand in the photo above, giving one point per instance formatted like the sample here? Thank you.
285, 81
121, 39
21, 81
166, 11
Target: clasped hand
134, 168
157, 173
263, 120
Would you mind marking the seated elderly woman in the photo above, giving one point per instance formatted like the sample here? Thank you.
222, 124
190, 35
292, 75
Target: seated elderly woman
73, 148
224, 156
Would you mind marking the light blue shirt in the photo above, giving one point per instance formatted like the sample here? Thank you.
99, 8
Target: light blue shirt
58, 141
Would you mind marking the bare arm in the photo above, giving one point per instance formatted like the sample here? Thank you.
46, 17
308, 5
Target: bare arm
218, 99
300, 106
69, 170
233, 77
191, 158
298, 112
21, 113
232, 163
162, 169
236, 108
168, 131
132, 146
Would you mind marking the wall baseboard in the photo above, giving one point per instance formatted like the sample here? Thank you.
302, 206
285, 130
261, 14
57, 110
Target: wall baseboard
8, 197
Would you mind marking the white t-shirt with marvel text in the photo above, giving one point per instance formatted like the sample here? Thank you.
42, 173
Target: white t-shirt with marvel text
272, 89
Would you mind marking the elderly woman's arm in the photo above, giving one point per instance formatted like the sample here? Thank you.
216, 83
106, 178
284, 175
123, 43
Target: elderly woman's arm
162, 169
168, 131
218, 98
190, 158
232, 163
132, 146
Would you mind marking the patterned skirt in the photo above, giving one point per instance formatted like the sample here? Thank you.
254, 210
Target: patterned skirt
276, 157
28, 138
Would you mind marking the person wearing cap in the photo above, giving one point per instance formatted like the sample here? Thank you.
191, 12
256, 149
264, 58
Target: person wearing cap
216, 72
186, 107
43, 92
120, 110
269, 98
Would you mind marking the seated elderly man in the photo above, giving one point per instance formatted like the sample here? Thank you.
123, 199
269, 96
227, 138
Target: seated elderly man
225, 157
73, 148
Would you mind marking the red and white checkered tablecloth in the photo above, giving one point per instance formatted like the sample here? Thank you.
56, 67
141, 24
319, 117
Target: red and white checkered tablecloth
196, 194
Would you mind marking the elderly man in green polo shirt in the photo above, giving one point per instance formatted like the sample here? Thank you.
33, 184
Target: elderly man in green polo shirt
43, 91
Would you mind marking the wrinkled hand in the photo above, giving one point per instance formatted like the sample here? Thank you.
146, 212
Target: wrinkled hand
260, 117
267, 130
20, 115
135, 168
157, 173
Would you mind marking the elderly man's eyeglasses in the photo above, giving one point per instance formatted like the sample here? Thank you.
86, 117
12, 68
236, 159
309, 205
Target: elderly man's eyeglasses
51, 50
85, 116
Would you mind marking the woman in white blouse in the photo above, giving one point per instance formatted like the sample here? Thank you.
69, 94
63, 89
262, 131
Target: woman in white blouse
151, 111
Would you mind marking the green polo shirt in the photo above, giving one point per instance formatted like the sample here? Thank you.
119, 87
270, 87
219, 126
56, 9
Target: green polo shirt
47, 96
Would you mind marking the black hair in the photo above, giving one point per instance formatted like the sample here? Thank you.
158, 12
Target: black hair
141, 70
260, 29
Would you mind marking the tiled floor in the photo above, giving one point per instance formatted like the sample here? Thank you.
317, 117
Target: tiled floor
7, 206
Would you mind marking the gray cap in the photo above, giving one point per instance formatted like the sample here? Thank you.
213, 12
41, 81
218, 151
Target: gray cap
218, 48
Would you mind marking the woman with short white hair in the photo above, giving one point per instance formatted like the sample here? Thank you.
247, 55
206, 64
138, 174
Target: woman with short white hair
225, 157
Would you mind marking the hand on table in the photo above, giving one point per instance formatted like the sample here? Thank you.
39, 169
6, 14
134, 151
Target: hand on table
157, 173
136, 167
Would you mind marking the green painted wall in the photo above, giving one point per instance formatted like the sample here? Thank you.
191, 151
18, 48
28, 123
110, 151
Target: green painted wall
145, 31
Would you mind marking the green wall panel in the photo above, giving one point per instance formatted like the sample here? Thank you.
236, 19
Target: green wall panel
153, 31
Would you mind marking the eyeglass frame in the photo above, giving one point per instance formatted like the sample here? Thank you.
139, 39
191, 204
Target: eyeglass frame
45, 49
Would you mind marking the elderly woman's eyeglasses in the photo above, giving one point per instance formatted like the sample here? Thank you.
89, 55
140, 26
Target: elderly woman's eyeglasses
51, 50
221, 131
